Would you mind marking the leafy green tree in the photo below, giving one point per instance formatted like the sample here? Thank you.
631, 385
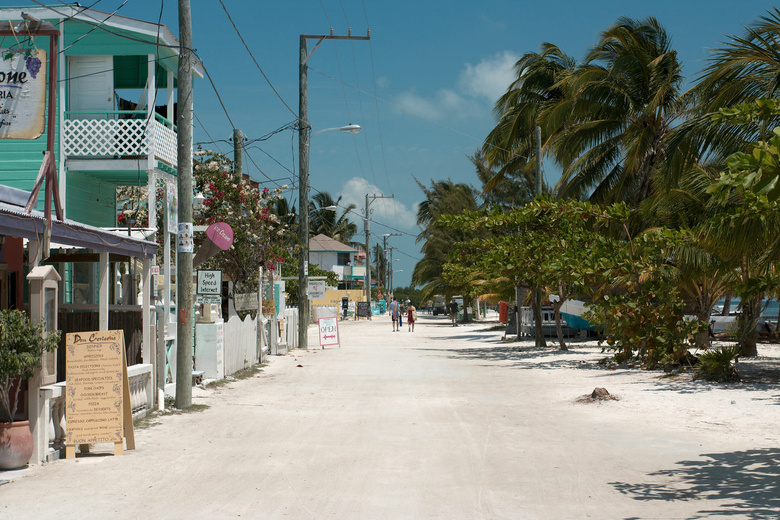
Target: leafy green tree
745, 215
259, 237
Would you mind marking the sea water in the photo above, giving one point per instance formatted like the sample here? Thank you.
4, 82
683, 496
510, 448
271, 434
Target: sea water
770, 307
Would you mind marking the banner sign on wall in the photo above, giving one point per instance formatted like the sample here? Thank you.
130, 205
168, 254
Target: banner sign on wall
22, 94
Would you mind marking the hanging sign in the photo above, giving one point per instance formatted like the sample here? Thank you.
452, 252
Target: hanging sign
316, 289
22, 94
173, 208
209, 282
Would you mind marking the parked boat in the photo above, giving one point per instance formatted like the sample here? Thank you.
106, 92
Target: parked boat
572, 311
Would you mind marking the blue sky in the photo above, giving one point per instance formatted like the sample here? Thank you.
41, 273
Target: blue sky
422, 89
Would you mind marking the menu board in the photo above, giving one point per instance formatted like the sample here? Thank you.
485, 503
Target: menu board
96, 388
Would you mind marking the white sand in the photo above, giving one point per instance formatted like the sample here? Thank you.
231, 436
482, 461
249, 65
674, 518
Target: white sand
446, 422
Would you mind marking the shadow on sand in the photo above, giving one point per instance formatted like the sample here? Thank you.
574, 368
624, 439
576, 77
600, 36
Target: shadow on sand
746, 484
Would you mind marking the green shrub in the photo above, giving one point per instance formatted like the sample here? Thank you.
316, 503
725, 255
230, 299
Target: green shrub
718, 364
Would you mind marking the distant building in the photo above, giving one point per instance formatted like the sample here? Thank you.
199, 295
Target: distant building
331, 255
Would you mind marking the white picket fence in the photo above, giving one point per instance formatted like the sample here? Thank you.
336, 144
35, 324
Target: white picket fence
241, 347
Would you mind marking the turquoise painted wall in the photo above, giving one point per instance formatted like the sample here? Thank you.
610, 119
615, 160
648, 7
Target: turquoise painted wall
91, 199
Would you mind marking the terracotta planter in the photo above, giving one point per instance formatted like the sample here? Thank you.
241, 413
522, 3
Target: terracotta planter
16, 444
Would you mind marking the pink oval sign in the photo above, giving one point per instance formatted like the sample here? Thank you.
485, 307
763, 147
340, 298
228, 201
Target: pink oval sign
221, 235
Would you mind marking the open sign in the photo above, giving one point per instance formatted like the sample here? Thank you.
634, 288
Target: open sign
329, 331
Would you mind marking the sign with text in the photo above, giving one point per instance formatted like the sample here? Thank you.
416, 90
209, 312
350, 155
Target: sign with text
22, 94
329, 331
316, 289
363, 310
245, 302
209, 281
172, 203
202, 299
97, 399
186, 239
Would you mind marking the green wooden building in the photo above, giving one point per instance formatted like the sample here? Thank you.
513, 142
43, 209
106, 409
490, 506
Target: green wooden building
115, 112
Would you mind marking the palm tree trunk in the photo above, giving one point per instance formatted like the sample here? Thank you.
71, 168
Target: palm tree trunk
751, 311
726, 306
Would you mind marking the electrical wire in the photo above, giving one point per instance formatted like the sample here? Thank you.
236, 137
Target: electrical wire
256, 63
389, 103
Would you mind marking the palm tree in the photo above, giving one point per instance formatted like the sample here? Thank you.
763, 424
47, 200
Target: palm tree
509, 147
324, 221
379, 270
443, 197
626, 98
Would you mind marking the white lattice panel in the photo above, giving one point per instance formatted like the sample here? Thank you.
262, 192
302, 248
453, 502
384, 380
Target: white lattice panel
112, 137
165, 144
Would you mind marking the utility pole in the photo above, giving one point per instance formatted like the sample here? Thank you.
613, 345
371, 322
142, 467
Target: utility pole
388, 265
539, 332
390, 268
303, 175
367, 282
184, 289
238, 157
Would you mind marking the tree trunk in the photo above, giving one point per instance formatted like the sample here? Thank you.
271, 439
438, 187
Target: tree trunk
726, 306
751, 312
558, 326
466, 304
537, 310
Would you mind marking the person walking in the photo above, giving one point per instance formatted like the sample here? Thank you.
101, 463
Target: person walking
454, 312
395, 314
411, 316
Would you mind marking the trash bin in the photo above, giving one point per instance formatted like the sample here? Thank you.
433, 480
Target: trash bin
503, 311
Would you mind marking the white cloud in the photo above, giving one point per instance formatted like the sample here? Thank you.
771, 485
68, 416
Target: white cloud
390, 211
490, 77
444, 104
484, 82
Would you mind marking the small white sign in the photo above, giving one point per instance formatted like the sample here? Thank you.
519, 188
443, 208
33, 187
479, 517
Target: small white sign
203, 299
329, 331
186, 242
245, 302
209, 281
316, 289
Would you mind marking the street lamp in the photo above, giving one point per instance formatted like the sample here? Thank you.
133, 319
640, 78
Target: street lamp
303, 228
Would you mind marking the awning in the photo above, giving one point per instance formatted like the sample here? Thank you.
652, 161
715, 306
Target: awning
16, 223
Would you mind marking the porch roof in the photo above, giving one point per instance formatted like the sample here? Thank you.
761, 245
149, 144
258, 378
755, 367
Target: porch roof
15, 222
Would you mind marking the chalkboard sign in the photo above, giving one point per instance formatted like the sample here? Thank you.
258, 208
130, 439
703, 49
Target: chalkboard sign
97, 392
363, 310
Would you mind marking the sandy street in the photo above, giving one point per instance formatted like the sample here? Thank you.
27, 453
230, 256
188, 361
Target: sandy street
446, 422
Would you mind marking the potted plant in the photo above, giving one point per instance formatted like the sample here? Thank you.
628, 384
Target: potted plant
22, 344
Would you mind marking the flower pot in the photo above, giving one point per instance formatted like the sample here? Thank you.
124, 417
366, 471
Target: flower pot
16, 444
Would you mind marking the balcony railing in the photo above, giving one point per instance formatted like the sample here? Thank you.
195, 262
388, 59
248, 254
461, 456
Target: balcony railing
119, 134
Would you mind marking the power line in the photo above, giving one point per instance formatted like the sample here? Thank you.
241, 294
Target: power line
478, 139
254, 60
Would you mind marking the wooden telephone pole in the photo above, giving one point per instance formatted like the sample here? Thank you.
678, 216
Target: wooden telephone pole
304, 129
184, 289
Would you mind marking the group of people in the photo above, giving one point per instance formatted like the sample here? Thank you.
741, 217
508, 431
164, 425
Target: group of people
398, 309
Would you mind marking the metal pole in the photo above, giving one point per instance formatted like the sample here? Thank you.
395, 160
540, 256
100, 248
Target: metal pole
367, 282
184, 289
539, 333
303, 199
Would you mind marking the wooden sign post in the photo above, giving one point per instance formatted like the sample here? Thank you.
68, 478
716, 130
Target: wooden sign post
97, 402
